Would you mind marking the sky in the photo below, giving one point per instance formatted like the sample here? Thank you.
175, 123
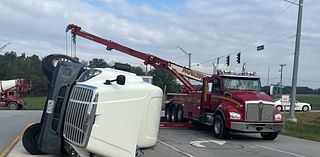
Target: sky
205, 28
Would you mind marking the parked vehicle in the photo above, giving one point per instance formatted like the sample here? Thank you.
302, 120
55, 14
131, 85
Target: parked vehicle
11, 92
299, 106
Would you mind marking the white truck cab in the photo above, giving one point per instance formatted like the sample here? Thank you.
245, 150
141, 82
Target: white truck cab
111, 113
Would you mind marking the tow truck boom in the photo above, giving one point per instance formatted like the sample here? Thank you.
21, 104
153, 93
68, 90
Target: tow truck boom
179, 71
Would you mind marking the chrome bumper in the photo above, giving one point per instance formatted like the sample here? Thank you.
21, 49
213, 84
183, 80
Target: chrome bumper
256, 127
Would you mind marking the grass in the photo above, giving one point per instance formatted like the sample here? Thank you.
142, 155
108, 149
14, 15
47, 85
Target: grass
311, 99
35, 103
307, 127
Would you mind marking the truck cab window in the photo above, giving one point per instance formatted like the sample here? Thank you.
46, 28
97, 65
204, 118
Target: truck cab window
216, 85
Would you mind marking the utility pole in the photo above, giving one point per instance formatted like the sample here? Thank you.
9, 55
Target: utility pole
292, 117
187, 54
281, 70
215, 66
268, 76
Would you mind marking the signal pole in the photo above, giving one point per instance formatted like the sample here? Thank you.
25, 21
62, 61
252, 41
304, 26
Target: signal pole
292, 117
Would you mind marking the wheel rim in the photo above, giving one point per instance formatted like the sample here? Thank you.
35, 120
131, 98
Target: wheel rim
305, 108
12, 106
279, 108
217, 127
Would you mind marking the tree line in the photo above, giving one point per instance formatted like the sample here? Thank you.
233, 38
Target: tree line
13, 66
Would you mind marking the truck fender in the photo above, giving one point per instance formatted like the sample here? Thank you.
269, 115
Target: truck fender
220, 112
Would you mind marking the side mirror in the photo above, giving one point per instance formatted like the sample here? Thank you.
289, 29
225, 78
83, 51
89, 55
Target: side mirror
121, 79
227, 94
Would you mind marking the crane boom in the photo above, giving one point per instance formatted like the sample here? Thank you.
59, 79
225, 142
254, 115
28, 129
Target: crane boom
179, 71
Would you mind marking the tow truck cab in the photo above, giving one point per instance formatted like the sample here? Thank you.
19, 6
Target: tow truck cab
228, 102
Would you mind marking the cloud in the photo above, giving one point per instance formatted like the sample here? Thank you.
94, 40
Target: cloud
208, 29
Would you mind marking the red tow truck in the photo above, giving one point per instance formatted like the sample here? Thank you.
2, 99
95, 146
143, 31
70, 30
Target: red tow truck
227, 101
11, 92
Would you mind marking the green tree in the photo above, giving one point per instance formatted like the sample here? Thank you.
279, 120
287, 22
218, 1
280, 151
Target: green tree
98, 63
163, 78
137, 70
28, 68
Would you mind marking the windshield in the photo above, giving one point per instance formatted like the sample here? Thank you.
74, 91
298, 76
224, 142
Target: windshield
237, 83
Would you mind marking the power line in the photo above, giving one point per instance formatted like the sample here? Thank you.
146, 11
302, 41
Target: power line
265, 26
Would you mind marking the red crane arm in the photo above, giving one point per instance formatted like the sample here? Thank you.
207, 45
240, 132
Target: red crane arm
148, 58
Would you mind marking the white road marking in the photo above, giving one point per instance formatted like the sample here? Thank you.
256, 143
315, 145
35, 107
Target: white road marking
199, 143
218, 142
282, 151
176, 149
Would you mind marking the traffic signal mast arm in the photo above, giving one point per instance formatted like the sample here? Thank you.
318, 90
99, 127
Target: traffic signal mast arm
179, 71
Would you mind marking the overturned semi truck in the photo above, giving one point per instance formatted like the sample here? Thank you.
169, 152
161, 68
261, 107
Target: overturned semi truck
97, 111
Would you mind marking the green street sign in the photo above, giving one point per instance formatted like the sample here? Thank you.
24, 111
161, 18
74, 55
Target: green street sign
261, 47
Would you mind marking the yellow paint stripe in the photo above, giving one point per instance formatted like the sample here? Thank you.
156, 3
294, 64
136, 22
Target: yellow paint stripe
10, 146
228, 99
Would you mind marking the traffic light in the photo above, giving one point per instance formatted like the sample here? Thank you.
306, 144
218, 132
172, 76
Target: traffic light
228, 60
238, 57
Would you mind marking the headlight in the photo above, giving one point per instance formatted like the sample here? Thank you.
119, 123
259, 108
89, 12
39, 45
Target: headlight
278, 117
234, 115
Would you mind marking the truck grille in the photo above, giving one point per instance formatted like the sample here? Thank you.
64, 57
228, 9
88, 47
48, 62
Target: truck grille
259, 111
79, 115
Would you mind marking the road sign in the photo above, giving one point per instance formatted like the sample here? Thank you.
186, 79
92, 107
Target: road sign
261, 47
285, 100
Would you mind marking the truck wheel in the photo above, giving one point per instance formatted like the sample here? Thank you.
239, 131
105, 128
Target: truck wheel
174, 113
219, 129
179, 114
13, 106
168, 112
30, 139
269, 135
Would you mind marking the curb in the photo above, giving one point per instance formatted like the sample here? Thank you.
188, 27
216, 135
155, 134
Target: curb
10, 146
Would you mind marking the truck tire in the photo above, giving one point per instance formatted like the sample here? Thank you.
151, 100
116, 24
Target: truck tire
179, 114
269, 135
13, 106
168, 113
174, 113
30, 139
49, 63
219, 129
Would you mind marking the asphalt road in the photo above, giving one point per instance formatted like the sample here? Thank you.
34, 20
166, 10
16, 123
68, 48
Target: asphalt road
200, 143
12, 122
184, 142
